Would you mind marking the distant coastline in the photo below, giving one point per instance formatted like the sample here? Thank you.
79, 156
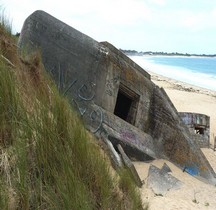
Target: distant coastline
150, 53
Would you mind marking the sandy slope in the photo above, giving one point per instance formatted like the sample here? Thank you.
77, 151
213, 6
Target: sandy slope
194, 194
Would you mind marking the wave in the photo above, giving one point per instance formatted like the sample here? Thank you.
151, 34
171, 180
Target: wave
178, 73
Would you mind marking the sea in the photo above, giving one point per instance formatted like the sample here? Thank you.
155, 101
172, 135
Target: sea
198, 71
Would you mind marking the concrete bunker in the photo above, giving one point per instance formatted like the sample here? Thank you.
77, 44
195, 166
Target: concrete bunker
98, 79
199, 126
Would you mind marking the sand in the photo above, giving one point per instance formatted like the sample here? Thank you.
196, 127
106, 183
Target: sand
194, 194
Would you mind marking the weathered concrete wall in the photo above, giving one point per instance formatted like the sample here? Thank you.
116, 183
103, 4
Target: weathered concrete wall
199, 126
96, 76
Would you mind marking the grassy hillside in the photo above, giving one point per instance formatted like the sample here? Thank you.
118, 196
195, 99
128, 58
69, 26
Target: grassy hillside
47, 158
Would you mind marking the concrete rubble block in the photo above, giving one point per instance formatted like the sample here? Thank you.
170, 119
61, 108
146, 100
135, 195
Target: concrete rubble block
161, 182
114, 156
130, 166
165, 168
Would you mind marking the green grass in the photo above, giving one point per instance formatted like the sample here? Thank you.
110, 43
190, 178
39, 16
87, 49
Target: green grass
130, 190
47, 158
5, 22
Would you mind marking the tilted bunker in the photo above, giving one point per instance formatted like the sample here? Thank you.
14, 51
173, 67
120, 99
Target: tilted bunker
199, 126
113, 94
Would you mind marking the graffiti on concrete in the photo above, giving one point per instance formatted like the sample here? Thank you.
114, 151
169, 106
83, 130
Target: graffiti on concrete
110, 85
83, 93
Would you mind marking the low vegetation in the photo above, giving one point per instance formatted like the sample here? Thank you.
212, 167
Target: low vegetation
47, 158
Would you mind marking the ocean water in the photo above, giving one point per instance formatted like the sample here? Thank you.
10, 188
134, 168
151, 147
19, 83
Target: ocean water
199, 71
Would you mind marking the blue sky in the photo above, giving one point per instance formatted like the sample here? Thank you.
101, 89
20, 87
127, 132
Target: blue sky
186, 26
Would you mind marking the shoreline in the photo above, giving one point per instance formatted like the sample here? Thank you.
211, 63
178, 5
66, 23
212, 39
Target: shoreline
189, 98
179, 56
172, 55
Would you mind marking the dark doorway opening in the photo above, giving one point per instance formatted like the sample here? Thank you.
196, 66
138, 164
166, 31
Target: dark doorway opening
123, 105
126, 104
199, 130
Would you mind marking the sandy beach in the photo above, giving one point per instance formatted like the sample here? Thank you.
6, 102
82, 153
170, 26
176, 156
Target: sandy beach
193, 194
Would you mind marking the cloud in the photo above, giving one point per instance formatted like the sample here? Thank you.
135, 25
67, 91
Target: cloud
158, 2
125, 11
197, 21
110, 12
214, 12
192, 21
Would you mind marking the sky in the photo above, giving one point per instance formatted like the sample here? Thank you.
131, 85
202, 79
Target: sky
184, 26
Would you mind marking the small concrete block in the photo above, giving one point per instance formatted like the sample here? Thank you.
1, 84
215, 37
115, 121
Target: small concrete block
161, 182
